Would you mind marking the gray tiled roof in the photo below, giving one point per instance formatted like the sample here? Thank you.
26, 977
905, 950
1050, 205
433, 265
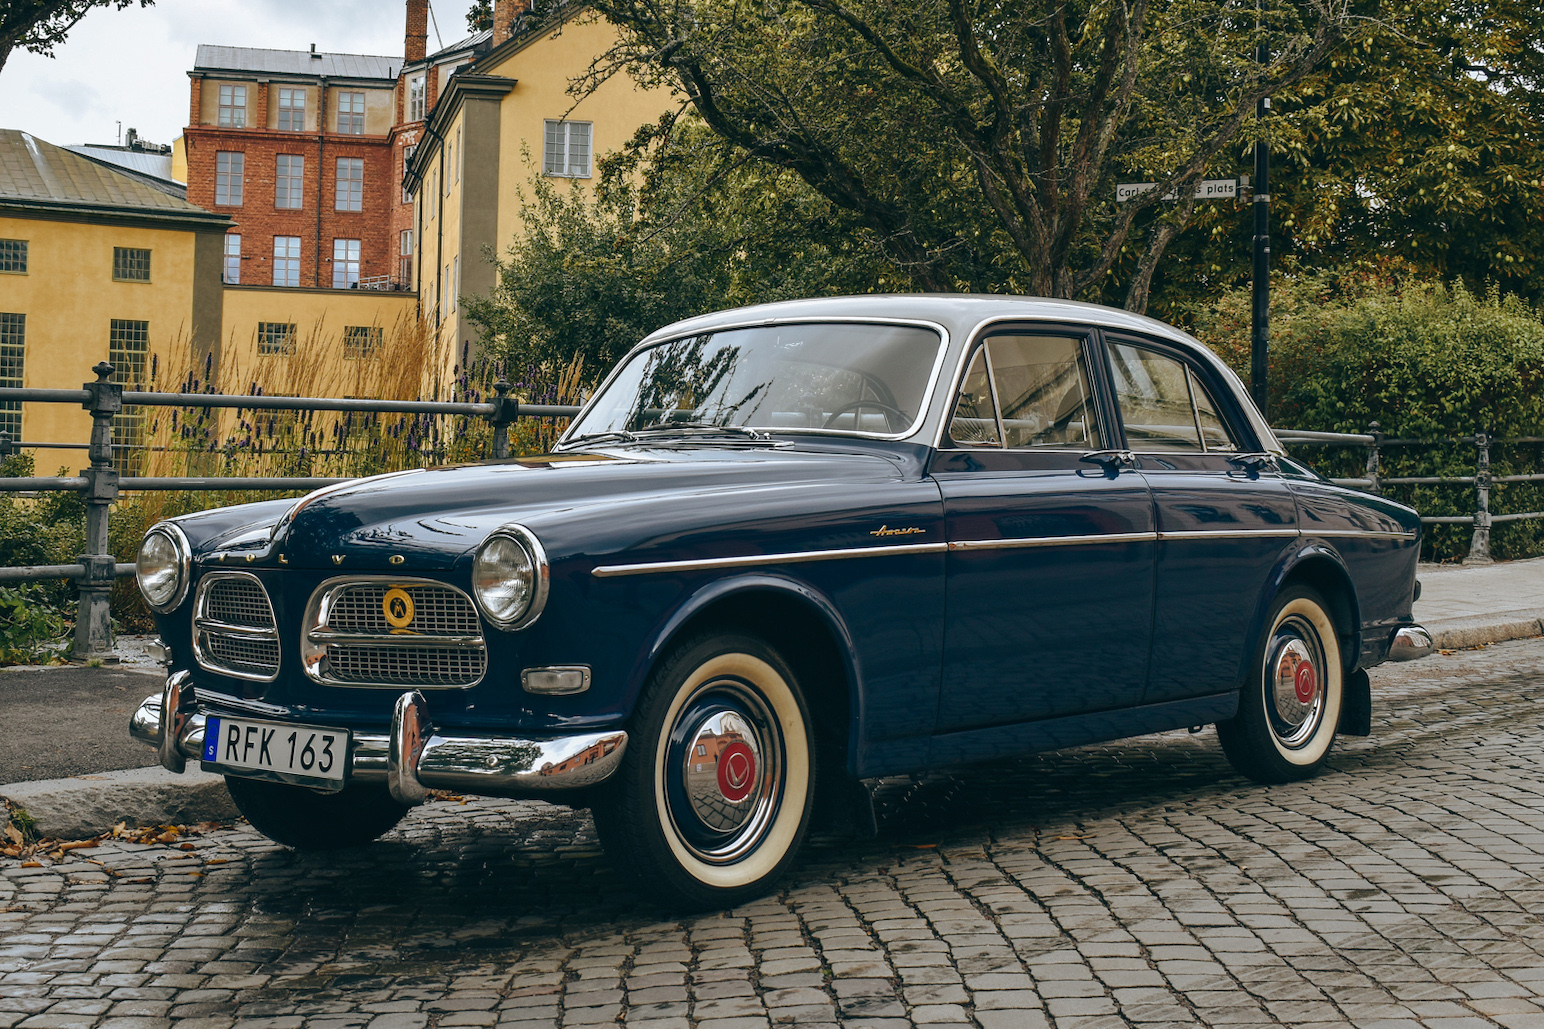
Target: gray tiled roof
159, 165
471, 42
294, 62
35, 173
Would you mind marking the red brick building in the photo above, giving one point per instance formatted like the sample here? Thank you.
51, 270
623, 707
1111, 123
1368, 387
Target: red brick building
296, 148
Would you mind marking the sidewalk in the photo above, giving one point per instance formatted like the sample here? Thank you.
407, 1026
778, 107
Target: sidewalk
1462, 606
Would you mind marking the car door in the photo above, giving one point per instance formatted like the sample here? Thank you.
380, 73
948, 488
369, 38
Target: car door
1049, 576
1225, 515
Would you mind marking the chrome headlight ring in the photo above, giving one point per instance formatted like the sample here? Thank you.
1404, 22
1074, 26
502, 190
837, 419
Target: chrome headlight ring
497, 573
180, 561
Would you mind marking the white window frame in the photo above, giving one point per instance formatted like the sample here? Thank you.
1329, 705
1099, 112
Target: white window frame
417, 93
405, 256
345, 263
292, 109
407, 159
230, 177
232, 107
348, 190
286, 256
351, 106
560, 144
232, 267
293, 180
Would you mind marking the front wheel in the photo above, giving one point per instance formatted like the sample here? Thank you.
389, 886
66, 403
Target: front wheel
307, 820
1290, 705
714, 794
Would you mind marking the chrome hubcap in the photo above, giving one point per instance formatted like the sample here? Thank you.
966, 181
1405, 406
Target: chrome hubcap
1294, 682
723, 768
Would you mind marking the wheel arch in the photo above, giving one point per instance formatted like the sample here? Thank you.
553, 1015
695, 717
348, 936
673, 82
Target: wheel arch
796, 620
1320, 567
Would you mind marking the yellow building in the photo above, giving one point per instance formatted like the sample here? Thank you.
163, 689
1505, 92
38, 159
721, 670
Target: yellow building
95, 265
497, 123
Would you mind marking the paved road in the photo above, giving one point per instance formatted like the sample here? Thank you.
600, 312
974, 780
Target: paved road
1140, 884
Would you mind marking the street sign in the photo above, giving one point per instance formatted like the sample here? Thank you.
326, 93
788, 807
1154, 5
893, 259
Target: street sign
1206, 189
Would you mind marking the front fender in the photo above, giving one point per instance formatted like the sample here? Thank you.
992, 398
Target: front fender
714, 594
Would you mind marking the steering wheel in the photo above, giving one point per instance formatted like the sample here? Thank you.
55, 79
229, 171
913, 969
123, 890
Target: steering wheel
878, 405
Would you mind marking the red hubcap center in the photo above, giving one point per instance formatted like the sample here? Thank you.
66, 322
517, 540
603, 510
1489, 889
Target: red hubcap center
736, 771
1305, 682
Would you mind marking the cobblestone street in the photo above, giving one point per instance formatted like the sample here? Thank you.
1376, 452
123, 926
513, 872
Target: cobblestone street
1141, 883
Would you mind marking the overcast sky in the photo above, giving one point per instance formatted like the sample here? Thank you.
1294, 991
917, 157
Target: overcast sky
131, 66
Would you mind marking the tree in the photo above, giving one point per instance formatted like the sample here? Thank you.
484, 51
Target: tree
479, 17
978, 144
39, 25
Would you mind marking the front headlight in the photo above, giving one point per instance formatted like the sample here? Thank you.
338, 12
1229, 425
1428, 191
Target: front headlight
161, 568
509, 577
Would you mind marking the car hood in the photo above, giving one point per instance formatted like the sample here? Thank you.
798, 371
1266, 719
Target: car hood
430, 518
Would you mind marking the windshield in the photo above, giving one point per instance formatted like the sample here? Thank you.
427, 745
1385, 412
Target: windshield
836, 377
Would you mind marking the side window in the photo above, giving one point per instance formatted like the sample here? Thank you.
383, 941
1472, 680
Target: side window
1027, 391
1163, 407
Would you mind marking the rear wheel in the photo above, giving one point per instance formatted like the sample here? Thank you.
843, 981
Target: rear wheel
714, 794
1290, 705
307, 820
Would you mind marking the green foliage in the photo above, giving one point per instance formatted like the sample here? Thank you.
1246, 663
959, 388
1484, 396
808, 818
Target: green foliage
40, 25
31, 625
1424, 361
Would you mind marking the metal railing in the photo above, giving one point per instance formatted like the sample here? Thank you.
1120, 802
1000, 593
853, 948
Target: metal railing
101, 485
1483, 480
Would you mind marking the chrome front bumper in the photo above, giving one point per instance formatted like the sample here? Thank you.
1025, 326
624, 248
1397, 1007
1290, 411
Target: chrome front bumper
1410, 644
413, 758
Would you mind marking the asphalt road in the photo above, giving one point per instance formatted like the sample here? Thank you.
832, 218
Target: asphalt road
70, 721
1140, 883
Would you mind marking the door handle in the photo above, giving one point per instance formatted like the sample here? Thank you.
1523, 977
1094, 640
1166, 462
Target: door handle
1111, 460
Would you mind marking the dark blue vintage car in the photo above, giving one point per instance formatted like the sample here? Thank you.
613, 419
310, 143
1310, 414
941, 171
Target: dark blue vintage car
784, 550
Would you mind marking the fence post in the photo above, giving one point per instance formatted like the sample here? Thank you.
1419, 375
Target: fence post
1376, 432
1479, 547
93, 618
505, 410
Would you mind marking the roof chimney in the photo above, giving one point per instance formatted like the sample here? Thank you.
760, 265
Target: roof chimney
504, 14
415, 41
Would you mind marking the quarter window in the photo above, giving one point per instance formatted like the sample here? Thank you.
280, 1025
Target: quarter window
230, 173
233, 257
350, 187
13, 256
131, 264
351, 113
275, 337
286, 260
13, 357
289, 181
1164, 408
1027, 391
233, 107
567, 149
345, 263
292, 110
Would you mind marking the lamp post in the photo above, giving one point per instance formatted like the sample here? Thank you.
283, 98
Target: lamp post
1260, 333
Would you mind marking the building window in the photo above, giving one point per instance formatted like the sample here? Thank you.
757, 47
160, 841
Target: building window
292, 110
458, 155
275, 337
349, 190
286, 260
405, 257
455, 282
230, 174
407, 162
128, 344
233, 107
361, 341
233, 257
567, 151
289, 181
131, 264
345, 263
351, 113
415, 98
13, 356
13, 256
434, 194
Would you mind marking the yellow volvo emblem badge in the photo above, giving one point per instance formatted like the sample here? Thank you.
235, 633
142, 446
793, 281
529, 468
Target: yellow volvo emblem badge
397, 606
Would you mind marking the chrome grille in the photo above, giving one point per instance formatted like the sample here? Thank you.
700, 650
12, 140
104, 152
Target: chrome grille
438, 610
238, 602
233, 627
432, 641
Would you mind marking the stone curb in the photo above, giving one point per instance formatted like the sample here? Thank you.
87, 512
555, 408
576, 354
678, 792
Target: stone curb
1478, 630
83, 806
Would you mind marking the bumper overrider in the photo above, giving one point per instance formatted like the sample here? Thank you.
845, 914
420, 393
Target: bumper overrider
413, 758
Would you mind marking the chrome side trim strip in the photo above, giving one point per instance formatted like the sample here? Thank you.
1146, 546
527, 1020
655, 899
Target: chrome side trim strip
796, 557
1230, 534
1354, 533
1055, 541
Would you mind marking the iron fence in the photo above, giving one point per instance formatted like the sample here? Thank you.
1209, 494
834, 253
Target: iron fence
101, 484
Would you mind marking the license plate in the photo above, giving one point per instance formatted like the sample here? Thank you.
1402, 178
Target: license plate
306, 755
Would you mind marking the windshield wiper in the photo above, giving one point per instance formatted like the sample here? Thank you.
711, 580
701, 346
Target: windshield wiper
610, 436
708, 429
